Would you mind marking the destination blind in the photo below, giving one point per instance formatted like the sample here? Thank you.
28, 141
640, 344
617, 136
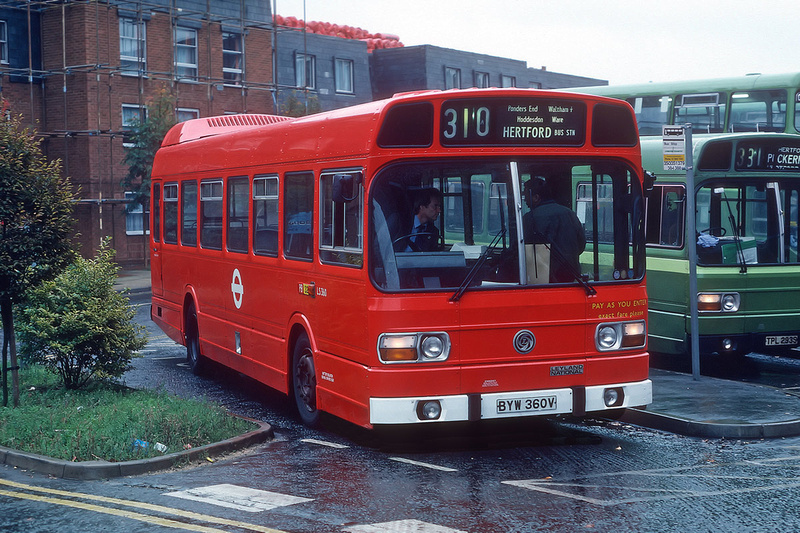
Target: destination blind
512, 122
768, 154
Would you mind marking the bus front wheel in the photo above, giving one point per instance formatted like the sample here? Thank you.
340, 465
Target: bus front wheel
194, 358
304, 381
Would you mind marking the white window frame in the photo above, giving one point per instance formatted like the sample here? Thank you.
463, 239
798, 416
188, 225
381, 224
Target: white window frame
126, 62
186, 70
231, 75
3, 42
344, 76
482, 80
129, 113
452, 78
305, 71
186, 113
134, 217
508, 81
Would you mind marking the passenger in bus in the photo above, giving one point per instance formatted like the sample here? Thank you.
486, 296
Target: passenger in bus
424, 235
555, 225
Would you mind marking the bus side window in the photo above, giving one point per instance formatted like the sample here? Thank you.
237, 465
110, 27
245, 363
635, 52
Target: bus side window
665, 214
238, 214
171, 213
189, 213
265, 215
211, 214
341, 223
298, 207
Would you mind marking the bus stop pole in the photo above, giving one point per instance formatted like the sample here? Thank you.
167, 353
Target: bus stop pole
691, 231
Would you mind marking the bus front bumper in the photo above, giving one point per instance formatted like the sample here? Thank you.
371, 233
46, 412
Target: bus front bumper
473, 407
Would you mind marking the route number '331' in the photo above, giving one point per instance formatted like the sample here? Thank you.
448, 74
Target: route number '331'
475, 119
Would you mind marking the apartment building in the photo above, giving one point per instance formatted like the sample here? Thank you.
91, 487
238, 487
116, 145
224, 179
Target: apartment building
82, 71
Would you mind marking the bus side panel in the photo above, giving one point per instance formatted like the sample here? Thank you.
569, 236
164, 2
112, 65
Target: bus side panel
167, 316
340, 327
342, 388
667, 293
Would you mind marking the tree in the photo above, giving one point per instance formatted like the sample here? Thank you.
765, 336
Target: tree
78, 326
299, 104
35, 224
145, 139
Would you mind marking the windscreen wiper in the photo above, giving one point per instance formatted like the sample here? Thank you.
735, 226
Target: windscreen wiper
477, 266
736, 239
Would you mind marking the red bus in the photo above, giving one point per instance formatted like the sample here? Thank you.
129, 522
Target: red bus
290, 250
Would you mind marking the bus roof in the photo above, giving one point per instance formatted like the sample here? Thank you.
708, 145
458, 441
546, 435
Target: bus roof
748, 82
653, 156
239, 141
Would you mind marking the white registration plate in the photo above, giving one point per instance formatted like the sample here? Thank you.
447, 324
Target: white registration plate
781, 340
526, 405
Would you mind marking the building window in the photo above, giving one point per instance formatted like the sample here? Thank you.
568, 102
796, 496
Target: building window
482, 80
132, 116
134, 216
305, 71
508, 81
185, 113
132, 46
186, 53
452, 78
3, 43
232, 58
344, 76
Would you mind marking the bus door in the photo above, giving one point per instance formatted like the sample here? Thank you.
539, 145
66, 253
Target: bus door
155, 242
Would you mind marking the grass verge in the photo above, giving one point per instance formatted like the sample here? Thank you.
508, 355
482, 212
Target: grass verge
108, 422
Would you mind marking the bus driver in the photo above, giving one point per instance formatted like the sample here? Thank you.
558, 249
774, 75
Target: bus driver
424, 233
555, 225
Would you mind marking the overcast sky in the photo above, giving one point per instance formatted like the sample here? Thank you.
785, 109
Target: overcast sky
623, 41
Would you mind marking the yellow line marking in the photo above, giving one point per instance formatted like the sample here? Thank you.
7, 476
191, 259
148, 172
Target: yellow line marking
141, 505
108, 510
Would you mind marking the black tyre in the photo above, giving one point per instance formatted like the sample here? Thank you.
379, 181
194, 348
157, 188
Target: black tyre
304, 382
192, 338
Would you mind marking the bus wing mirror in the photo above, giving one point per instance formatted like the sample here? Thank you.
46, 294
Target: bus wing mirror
649, 180
345, 187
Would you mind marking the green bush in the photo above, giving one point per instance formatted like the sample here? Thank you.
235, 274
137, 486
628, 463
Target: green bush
106, 421
78, 326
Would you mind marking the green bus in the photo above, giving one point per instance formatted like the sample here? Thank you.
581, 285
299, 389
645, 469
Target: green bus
747, 191
752, 103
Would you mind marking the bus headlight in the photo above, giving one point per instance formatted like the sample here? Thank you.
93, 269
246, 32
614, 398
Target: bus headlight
413, 347
718, 302
432, 347
620, 335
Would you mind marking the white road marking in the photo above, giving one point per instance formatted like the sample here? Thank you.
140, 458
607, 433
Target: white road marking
402, 526
424, 465
325, 443
698, 481
240, 498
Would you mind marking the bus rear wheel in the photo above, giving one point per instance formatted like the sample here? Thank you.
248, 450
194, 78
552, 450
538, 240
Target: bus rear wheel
304, 381
194, 358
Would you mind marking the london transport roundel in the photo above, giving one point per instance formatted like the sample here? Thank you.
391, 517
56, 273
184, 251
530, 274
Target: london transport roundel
237, 288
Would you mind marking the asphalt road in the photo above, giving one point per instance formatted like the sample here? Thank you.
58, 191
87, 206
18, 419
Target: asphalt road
535, 475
